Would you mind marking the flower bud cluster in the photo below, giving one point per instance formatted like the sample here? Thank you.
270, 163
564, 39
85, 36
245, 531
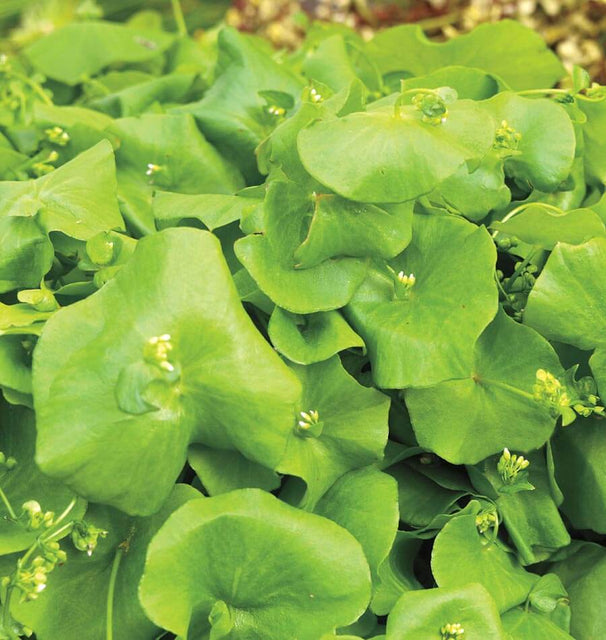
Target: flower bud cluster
85, 537
452, 631
510, 465
34, 517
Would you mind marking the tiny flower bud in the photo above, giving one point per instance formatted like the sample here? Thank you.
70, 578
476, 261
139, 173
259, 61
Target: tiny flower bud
309, 424
452, 631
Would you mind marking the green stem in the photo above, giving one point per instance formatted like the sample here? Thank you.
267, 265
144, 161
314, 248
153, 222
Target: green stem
38, 90
399, 103
179, 19
55, 534
110, 594
64, 515
7, 504
509, 388
519, 268
6, 615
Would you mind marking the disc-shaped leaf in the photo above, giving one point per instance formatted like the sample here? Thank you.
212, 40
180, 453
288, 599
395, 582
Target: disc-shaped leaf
547, 144
104, 393
544, 228
256, 568
80, 50
75, 603
25, 482
478, 559
568, 301
66, 199
422, 614
306, 339
365, 502
468, 82
467, 418
428, 336
404, 157
353, 429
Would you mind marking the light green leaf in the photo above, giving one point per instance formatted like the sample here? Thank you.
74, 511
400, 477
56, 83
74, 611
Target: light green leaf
213, 210
467, 418
365, 503
547, 146
428, 336
593, 139
306, 339
544, 228
529, 64
313, 577
352, 432
79, 50
478, 559
422, 614
66, 199
404, 157
469, 83
528, 624
93, 348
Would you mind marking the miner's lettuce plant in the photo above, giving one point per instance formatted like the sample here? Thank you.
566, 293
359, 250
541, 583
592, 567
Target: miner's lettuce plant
300, 345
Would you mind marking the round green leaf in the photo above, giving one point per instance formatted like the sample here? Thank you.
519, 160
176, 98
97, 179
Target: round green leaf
353, 430
527, 624
365, 502
429, 336
462, 555
422, 614
277, 572
306, 339
404, 157
568, 301
547, 146
466, 419
103, 395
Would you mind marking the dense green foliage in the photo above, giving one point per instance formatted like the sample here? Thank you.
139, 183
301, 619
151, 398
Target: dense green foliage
298, 345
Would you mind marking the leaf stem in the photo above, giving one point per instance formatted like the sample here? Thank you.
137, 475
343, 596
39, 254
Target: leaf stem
537, 92
179, 19
64, 515
522, 207
7, 504
38, 90
109, 628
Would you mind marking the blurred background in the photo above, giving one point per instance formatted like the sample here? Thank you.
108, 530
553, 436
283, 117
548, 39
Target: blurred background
576, 29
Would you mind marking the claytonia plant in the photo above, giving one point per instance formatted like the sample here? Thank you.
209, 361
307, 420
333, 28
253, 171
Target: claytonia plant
304, 344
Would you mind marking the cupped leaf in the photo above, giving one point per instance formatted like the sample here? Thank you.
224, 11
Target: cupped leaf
406, 51
75, 602
423, 614
213, 210
80, 50
469, 83
67, 199
579, 464
427, 335
467, 418
224, 471
142, 365
348, 431
546, 148
306, 339
479, 559
167, 152
25, 482
594, 155
203, 571
328, 286
15, 365
404, 157
365, 502
544, 228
